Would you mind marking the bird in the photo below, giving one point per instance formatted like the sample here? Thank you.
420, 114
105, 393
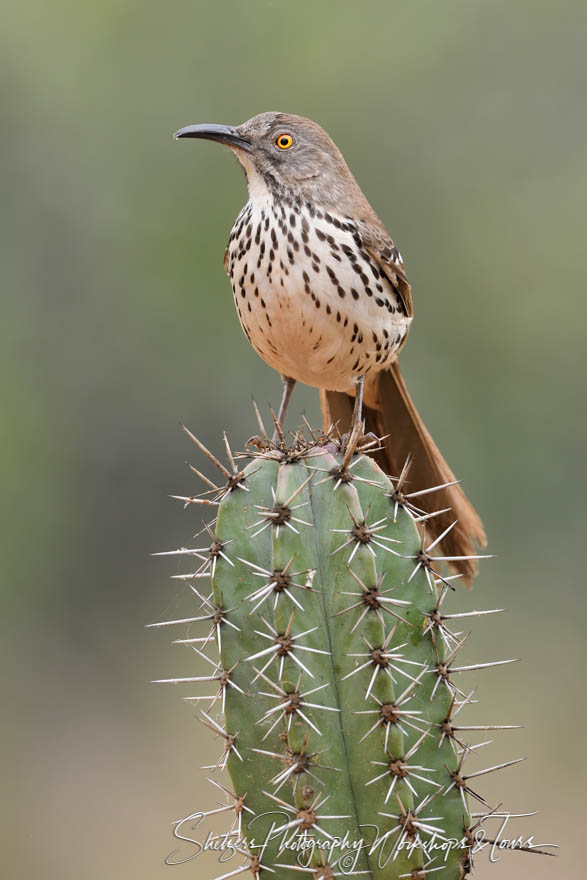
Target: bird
323, 297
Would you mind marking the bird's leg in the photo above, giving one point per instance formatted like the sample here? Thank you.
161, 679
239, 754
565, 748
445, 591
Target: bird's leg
357, 422
288, 387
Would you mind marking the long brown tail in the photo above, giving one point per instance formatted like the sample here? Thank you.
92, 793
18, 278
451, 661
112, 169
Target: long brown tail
407, 438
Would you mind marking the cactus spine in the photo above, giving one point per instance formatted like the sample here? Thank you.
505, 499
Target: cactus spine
335, 670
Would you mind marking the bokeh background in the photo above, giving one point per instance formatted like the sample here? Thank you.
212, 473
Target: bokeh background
465, 124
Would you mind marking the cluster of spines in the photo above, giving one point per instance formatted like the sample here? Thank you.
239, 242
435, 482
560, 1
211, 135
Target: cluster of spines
335, 663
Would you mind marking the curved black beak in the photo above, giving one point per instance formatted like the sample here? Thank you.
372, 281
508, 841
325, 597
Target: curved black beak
224, 134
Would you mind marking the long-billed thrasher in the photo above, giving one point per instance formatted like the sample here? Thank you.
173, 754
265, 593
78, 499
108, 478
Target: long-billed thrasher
322, 296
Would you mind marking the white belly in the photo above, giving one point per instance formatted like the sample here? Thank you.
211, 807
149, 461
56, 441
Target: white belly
310, 311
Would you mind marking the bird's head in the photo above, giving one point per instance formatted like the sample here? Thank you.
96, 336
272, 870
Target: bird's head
285, 153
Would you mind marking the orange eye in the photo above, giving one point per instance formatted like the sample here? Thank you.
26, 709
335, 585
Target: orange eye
284, 141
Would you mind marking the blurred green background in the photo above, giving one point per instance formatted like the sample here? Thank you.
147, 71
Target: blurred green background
465, 124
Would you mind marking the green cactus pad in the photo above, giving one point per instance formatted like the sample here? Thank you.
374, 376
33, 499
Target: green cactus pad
335, 671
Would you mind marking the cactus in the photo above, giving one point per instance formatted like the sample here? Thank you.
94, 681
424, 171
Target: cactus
335, 667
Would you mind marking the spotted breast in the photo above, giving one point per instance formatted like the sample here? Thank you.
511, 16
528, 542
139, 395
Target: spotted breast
310, 299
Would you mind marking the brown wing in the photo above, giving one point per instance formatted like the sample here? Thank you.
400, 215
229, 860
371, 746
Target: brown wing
380, 246
226, 261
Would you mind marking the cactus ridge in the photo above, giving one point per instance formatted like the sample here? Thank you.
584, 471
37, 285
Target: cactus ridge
335, 702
